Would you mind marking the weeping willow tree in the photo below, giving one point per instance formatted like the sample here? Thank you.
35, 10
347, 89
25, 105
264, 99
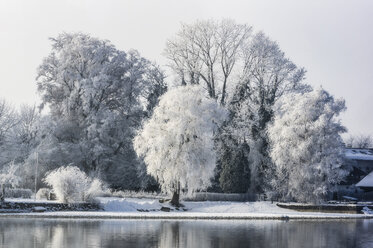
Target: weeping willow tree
177, 142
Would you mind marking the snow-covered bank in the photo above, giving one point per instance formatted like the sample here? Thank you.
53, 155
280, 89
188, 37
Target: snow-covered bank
27, 205
113, 204
25, 200
185, 215
135, 208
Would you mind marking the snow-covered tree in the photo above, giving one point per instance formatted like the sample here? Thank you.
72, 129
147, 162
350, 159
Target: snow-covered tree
70, 184
8, 120
97, 96
306, 146
266, 76
9, 176
26, 131
359, 141
177, 141
247, 73
18, 137
206, 52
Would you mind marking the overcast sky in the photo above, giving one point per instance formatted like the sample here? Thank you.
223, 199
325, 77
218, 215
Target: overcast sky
332, 39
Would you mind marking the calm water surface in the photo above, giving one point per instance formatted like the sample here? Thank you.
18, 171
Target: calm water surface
25, 232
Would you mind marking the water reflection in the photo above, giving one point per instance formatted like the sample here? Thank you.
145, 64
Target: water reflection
17, 232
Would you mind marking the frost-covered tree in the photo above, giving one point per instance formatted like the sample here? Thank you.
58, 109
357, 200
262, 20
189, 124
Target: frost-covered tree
70, 184
9, 176
306, 146
156, 89
247, 73
206, 52
26, 131
97, 96
8, 120
267, 75
18, 137
359, 141
177, 141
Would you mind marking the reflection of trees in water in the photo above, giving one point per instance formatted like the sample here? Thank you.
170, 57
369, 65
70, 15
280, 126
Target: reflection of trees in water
73, 234
319, 234
129, 233
47, 233
311, 234
260, 233
22, 233
187, 234
203, 234
152, 233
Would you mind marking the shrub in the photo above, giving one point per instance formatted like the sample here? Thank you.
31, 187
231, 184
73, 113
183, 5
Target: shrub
18, 193
96, 188
43, 194
8, 175
70, 184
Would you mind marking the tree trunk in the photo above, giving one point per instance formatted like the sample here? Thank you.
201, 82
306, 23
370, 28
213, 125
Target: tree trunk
222, 102
175, 199
2, 193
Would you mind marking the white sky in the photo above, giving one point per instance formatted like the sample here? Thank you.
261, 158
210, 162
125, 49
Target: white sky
332, 39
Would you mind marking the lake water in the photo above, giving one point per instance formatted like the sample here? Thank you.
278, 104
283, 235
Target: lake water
26, 232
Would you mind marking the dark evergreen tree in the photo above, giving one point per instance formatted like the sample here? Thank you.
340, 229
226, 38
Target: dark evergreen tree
235, 171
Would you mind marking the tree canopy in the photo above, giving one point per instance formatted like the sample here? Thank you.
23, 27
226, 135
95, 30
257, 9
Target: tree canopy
177, 142
306, 146
97, 96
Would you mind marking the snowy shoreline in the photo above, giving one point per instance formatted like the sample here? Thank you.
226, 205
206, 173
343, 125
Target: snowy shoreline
140, 208
187, 216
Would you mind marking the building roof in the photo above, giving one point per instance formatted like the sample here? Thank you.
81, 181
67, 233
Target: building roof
359, 154
366, 181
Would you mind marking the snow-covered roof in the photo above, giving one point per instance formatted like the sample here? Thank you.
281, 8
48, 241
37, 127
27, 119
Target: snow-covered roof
366, 181
359, 154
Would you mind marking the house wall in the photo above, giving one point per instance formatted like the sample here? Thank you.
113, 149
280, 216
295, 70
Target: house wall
360, 168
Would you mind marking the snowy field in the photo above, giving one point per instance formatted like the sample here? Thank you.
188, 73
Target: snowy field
136, 208
135, 204
26, 200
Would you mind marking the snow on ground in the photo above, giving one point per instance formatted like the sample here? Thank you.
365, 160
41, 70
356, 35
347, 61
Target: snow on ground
234, 207
367, 211
127, 208
25, 200
114, 204
186, 215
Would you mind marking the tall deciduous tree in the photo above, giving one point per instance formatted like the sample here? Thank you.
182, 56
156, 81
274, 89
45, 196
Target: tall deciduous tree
267, 75
226, 57
206, 52
8, 119
97, 96
177, 141
307, 148
359, 141
18, 138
